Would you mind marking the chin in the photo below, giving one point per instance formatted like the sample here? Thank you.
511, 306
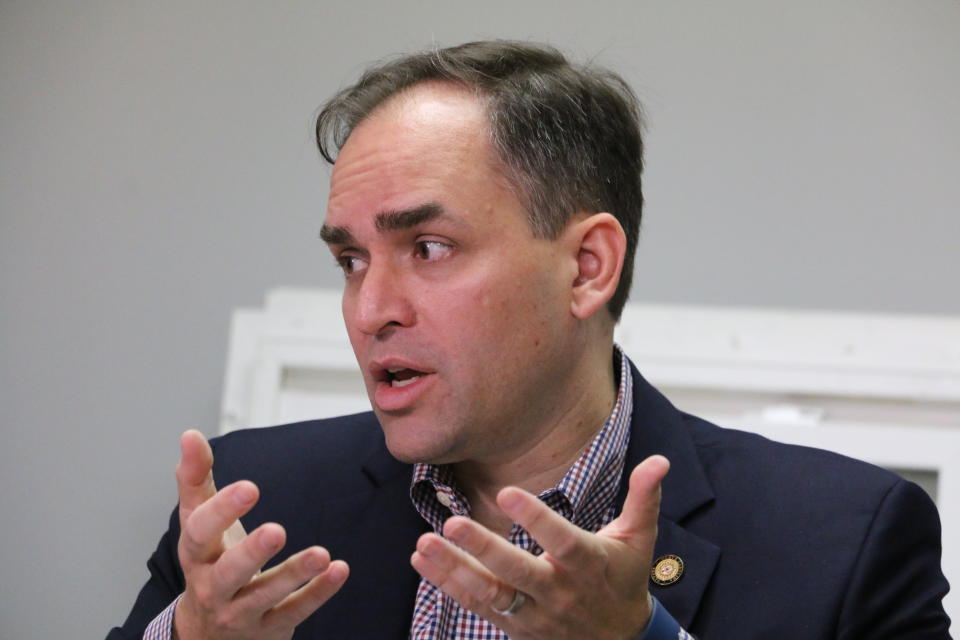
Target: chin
421, 434
410, 453
410, 444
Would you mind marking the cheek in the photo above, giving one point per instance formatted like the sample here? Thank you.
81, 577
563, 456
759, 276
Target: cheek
498, 312
489, 309
508, 324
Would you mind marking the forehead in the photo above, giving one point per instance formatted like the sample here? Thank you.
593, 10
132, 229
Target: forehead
429, 139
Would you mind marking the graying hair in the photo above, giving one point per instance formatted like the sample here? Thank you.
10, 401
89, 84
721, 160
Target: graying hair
569, 136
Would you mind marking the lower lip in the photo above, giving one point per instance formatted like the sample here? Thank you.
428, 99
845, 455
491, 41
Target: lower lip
389, 398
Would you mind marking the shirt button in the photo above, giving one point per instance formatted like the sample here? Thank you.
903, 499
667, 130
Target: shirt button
444, 499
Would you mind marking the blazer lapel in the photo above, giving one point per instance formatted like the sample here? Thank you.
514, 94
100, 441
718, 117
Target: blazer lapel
657, 428
377, 601
682, 598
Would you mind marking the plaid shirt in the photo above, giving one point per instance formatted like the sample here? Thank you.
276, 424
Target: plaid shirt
585, 496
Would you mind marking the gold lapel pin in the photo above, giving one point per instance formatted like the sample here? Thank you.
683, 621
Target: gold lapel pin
667, 570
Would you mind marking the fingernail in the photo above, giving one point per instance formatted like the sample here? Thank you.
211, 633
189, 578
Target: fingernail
268, 540
509, 500
424, 547
243, 495
336, 572
314, 563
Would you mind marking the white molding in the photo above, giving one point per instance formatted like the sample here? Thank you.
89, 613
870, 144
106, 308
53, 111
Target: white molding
879, 355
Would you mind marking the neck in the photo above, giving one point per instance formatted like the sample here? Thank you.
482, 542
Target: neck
539, 463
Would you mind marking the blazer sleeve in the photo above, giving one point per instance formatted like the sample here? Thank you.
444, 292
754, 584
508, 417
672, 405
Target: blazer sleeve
897, 587
166, 583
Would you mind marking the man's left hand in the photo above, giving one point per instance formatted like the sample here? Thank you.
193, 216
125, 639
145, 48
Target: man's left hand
584, 585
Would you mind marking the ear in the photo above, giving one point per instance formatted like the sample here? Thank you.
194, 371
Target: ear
600, 245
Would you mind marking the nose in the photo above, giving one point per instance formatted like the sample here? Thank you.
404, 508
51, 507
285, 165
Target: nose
380, 303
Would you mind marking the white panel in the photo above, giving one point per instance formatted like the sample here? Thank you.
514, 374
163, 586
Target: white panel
314, 393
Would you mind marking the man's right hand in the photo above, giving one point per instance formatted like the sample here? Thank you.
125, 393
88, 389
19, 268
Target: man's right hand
226, 596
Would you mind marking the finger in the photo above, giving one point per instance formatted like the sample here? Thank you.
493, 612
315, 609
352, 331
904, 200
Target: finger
459, 575
296, 607
438, 576
194, 473
507, 562
202, 534
275, 584
239, 564
642, 504
567, 544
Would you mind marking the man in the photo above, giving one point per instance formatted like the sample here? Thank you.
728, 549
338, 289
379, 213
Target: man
485, 207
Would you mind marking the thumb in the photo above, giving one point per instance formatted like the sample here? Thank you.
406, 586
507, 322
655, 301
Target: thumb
638, 519
194, 472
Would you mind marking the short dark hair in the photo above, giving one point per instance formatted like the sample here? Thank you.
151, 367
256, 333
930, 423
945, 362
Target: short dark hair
568, 135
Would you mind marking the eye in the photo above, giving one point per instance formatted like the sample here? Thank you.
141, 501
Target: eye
432, 250
351, 264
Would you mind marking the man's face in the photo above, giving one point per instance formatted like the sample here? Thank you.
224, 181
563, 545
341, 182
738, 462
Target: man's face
459, 317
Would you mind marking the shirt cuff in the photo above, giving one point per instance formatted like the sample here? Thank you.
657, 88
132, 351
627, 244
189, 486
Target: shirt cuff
161, 628
662, 626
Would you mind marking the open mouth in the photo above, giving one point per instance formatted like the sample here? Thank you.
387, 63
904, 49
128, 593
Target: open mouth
398, 386
402, 377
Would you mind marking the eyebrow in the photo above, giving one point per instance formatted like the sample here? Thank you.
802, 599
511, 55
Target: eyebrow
408, 218
336, 235
384, 222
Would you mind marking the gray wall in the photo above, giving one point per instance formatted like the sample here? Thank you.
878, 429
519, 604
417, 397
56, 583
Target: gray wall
156, 171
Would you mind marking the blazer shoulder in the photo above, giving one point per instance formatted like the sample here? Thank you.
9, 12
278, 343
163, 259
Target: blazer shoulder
757, 465
860, 544
325, 452
358, 429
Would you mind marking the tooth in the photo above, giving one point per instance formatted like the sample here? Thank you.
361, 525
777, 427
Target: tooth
403, 383
394, 370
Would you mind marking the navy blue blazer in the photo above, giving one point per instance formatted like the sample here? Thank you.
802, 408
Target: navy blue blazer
778, 541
